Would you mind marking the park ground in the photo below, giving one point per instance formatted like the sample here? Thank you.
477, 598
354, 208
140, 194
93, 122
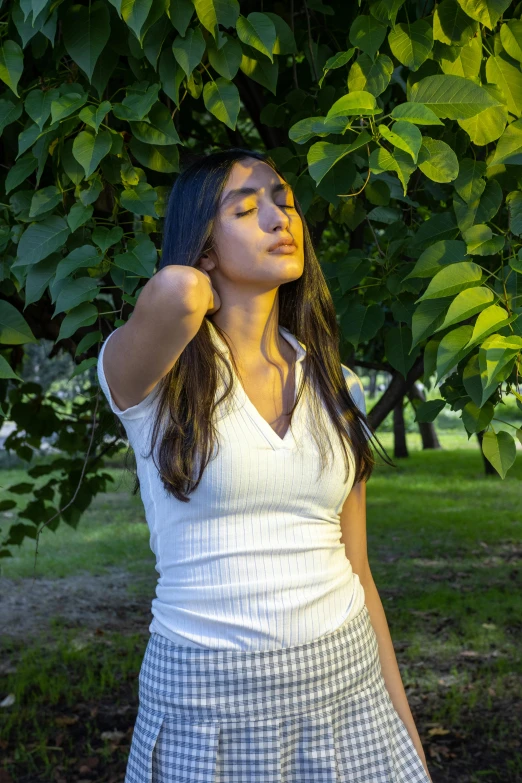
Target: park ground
445, 547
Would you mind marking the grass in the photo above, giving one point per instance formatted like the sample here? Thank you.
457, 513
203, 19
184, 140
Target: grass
444, 544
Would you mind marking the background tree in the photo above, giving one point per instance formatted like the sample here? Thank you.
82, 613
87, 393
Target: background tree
397, 123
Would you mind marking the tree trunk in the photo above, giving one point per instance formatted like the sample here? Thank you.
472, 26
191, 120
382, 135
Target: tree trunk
399, 433
373, 384
427, 429
488, 467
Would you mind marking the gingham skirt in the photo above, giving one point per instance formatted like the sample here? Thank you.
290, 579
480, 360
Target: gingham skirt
317, 712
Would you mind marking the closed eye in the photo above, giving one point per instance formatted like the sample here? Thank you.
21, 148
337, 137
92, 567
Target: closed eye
283, 206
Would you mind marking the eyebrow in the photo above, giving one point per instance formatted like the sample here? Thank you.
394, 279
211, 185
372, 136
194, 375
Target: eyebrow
232, 195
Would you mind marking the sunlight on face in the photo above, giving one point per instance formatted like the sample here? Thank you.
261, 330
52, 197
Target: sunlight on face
257, 209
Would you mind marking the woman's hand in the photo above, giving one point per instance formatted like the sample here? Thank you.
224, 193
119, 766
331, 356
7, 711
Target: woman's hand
215, 301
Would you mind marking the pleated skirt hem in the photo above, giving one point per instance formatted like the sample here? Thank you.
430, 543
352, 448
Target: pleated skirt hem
313, 713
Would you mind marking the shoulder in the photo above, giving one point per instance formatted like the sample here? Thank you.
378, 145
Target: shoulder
355, 387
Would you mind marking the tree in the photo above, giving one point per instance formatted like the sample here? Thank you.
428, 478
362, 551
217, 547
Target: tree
398, 124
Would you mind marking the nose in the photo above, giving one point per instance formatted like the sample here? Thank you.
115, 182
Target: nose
279, 217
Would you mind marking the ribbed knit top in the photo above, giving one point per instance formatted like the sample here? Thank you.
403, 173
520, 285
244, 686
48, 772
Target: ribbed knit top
253, 561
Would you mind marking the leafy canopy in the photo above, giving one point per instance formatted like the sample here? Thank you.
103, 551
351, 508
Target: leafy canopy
397, 123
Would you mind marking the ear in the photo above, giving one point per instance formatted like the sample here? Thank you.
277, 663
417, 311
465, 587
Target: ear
206, 262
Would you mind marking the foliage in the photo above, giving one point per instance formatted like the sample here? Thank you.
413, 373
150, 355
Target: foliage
397, 122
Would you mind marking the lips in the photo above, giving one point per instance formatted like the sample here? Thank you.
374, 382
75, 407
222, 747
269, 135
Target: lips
282, 243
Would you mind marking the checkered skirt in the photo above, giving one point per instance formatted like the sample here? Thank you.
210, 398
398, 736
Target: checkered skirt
317, 712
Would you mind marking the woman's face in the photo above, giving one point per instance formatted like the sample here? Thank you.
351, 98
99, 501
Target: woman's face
248, 225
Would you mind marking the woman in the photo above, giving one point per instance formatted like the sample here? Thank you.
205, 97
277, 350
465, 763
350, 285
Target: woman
269, 657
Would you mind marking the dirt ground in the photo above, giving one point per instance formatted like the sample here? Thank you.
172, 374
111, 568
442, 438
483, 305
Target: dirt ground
84, 601
94, 605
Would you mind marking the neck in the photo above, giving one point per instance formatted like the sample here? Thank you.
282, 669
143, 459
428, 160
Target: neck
255, 338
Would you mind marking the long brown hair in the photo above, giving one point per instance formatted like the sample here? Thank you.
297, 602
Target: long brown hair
184, 421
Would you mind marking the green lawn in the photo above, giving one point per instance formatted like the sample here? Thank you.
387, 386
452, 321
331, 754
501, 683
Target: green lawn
445, 544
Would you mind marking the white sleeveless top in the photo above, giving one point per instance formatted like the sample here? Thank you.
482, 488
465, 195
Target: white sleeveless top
253, 561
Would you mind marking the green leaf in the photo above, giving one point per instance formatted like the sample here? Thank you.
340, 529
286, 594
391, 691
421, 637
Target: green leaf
11, 64
452, 97
515, 262
451, 25
370, 76
20, 170
350, 270
439, 226
427, 317
95, 115
514, 202
41, 239
285, 40
429, 410
140, 259
213, 12
481, 241
75, 291
258, 31
135, 13
467, 304
398, 350
377, 192
398, 161
9, 112
225, 61
221, 98
159, 130
352, 212
259, 68
452, 348
417, 113
499, 448
490, 320
481, 210
475, 418
90, 149
361, 322
44, 200
140, 199
462, 60
496, 351
452, 279
385, 10
411, 43
487, 12
470, 183
163, 158
79, 215
508, 78
403, 135
490, 201
386, 215
86, 31
14, 329
367, 34
437, 160
79, 258
511, 38
336, 61
322, 155
105, 238
354, 104
509, 147
442, 253
189, 49
137, 103
304, 130
488, 125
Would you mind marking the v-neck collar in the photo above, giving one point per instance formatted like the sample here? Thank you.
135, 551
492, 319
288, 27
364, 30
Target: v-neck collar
289, 440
